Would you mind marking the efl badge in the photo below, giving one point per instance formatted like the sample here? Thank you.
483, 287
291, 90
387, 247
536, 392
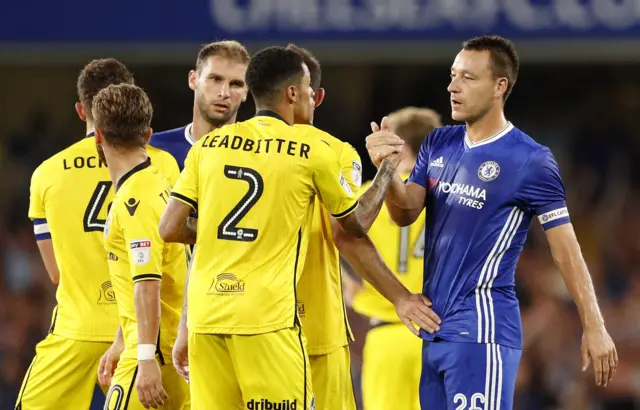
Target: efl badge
141, 251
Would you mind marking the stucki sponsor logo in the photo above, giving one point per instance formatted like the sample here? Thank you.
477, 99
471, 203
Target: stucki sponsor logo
470, 195
264, 404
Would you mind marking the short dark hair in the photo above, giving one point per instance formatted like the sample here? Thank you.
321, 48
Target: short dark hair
271, 70
229, 49
123, 114
98, 74
312, 63
413, 124
504, 57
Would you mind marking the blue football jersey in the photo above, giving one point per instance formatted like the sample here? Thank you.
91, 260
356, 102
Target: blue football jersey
176, 142
481, 199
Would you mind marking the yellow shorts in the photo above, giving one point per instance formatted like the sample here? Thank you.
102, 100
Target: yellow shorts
62, 375
256, 372
123, 394
331, 377
391, 376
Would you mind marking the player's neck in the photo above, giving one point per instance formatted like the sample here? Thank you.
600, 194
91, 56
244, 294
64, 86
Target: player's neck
89, 127
119, 163
487, 126
285, 114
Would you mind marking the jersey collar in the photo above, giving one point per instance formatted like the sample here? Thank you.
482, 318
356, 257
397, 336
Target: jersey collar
272, 114
91, 133
133, 170
188, 135
489, 140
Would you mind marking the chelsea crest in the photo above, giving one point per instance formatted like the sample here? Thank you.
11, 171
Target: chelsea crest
489, 171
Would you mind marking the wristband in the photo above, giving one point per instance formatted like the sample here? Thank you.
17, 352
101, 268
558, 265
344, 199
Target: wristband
146, 352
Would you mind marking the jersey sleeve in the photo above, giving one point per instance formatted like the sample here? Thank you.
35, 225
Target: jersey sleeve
419, 172
542, 190
139, 224
351, 167
186, 189
37, 207
332, 187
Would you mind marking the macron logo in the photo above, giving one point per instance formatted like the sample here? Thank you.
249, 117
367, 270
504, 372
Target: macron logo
438, 163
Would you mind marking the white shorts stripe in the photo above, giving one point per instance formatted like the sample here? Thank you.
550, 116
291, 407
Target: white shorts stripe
487, 380
499, 392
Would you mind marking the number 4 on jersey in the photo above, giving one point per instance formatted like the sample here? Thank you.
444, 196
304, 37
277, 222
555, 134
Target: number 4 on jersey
91, 222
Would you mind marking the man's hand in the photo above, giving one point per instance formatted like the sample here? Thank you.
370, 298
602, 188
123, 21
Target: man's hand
416, 308
149, 384
180, 355
109, 362
382, 144
597, 346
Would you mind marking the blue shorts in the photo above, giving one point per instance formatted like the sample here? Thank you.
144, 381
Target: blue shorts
468, 376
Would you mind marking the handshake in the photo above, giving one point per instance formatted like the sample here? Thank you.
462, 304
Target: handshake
382, 144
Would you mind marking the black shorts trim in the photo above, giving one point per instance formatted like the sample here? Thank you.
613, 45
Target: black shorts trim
24, 385
133, 383
305, 405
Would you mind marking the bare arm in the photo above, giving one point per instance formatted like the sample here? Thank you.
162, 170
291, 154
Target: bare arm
147, 305
405, 202
119, 340
364, 258
49, 259
182, 326
176, 225
371, 200
567, 255
597, 345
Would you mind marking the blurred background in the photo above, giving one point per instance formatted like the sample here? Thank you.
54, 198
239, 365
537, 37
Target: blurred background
578, 92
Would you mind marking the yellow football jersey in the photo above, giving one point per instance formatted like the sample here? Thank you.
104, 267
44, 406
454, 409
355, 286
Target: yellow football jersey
321, 305
136, 252
70, 195
402, 249
253, 184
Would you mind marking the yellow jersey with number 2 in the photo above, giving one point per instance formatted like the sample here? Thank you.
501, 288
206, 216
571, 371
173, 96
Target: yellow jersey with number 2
253, 185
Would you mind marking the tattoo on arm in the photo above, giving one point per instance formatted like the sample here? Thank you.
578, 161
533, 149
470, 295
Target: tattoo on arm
372, 199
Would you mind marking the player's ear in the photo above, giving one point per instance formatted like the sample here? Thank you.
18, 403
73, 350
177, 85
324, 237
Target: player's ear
148, 136
292, 94
245, 93
80, 111
97, 134
193, 79
320, 93
501, 87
